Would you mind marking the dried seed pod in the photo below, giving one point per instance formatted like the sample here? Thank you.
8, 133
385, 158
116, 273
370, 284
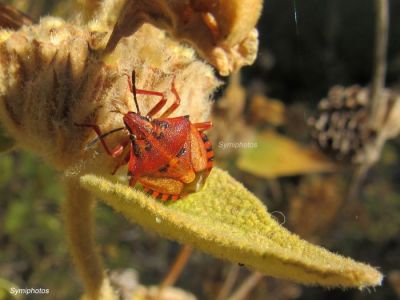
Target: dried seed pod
221, 30
342, 129
52, 78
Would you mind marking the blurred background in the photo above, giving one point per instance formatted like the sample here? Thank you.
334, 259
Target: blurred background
262, 138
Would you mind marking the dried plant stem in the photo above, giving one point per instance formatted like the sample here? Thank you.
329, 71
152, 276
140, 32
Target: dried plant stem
177, 267
378, 80
358, 178
377, 108
246, 287
229, 282
78, 217
275, 188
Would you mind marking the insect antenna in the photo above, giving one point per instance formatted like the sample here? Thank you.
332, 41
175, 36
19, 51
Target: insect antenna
134, 91
100, 137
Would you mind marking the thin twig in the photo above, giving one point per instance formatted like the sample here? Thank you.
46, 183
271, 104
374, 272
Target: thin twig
376, 107
246, 287
177, 267
275, 188
358, 178
229, 282
378, 79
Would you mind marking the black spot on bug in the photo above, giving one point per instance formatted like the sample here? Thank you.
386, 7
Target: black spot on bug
158, 136
136, 150
181, 152
148, 146
204, 138
187, 117
146, 118
209, 149
132, 137
163, 169
161, 124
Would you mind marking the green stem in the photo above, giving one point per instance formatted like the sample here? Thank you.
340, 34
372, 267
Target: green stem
78, 216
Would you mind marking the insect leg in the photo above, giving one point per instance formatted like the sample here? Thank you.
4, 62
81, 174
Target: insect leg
135, 91
174, 105
131, 167
121, 163
132, 181
116, 151
203, 126
160, 103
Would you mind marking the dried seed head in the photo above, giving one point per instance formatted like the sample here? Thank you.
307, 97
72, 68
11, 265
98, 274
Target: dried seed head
342, 127
52, 78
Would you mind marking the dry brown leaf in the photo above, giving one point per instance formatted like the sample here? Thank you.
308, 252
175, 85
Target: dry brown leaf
274, 155
221, 30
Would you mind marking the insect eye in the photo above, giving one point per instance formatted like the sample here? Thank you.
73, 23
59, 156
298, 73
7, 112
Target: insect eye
132, 137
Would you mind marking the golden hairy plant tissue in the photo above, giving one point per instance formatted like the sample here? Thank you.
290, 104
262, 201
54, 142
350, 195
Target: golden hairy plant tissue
227, 221
223, 31
53, 76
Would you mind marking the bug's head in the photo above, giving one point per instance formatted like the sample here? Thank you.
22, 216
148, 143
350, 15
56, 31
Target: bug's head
137, 124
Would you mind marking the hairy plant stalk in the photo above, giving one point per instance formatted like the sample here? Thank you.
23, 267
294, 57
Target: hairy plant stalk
378, 80
246, 287
78, 218
177, 267
229, 282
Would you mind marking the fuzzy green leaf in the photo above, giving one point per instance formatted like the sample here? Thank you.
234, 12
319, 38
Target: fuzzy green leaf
226, 220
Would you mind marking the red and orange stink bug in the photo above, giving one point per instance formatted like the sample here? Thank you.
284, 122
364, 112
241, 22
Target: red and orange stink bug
170, 157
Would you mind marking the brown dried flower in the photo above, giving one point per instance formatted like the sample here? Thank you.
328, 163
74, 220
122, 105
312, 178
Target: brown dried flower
221, 30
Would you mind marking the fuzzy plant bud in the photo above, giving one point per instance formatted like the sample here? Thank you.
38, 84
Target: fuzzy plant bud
54, 76
222, 31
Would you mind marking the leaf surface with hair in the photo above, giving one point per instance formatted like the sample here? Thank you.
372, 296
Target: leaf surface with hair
226, 220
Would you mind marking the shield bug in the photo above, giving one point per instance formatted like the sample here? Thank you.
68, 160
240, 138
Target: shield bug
169, 157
